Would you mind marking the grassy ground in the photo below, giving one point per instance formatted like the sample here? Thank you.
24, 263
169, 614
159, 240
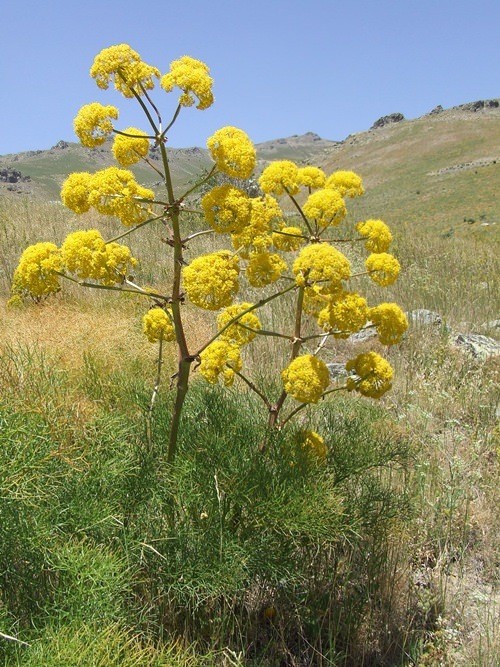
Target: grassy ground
386, 555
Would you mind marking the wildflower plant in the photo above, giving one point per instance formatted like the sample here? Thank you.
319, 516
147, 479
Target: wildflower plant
266, 252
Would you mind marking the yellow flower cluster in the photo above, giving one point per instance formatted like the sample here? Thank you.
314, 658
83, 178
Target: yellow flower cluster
211, 281
321, 263
233, 152
129, 150
36, 272
288, 239
279, 177
193, 78
345, 313
383, 268
75, 191
256, 235
220, 357
110, 191
92, 124
87, 255
236, 333
306, 378
390, 321
157, 324
121, 64
314, 445
347, 183
227, 209
374, 375
377, 233
326, 207
264, 268
312, 177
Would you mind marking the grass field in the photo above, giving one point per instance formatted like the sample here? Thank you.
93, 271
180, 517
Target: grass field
385, 555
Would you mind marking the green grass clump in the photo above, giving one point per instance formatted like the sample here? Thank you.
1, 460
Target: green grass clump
231, 549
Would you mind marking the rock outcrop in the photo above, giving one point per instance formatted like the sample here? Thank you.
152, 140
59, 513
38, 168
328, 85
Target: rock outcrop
387, 120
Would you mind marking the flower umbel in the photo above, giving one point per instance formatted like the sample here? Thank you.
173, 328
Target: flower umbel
75, 192
211, 281
391, 322
326, 207
237, 333
87, 255
220, 357
383, 268
193, 78
129, 150
373, 375
377, 233
157, 323
232, 152
227, 209
280, 176
323, 264
36, 272
121, 64
306, 378
347, 183
93, 124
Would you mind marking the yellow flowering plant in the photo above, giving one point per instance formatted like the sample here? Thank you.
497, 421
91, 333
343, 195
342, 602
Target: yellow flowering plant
266, 252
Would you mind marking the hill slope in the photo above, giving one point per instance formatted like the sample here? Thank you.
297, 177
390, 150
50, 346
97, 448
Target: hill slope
440, 171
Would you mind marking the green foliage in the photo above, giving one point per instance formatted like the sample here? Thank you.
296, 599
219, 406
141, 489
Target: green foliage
230, 548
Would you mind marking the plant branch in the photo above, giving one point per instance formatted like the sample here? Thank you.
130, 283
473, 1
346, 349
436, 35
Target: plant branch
299, 209
259, 304
254, 388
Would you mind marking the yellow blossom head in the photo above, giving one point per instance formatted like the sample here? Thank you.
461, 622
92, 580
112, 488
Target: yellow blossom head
36, 274
344, 313
390, 321
220, 357
326, 207
383, 268
371, 375
211, 281
377, 233
227, 209
93, 124
312, 177
75, 192
306, 378
314, 446
322, 264
87, 255
131, 149
240, 332
233, 152
115, 192
122, 65
256, 234
264, 268
347, 183
158, 323
193, 78
279, 177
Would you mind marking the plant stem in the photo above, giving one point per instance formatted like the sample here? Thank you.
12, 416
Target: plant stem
149, 422
274, 410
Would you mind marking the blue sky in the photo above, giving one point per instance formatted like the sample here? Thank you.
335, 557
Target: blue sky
281, 67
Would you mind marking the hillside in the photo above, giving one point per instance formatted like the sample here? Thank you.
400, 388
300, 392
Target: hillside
440, 171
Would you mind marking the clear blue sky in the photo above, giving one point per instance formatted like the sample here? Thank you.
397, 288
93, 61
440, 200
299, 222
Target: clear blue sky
280, 67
